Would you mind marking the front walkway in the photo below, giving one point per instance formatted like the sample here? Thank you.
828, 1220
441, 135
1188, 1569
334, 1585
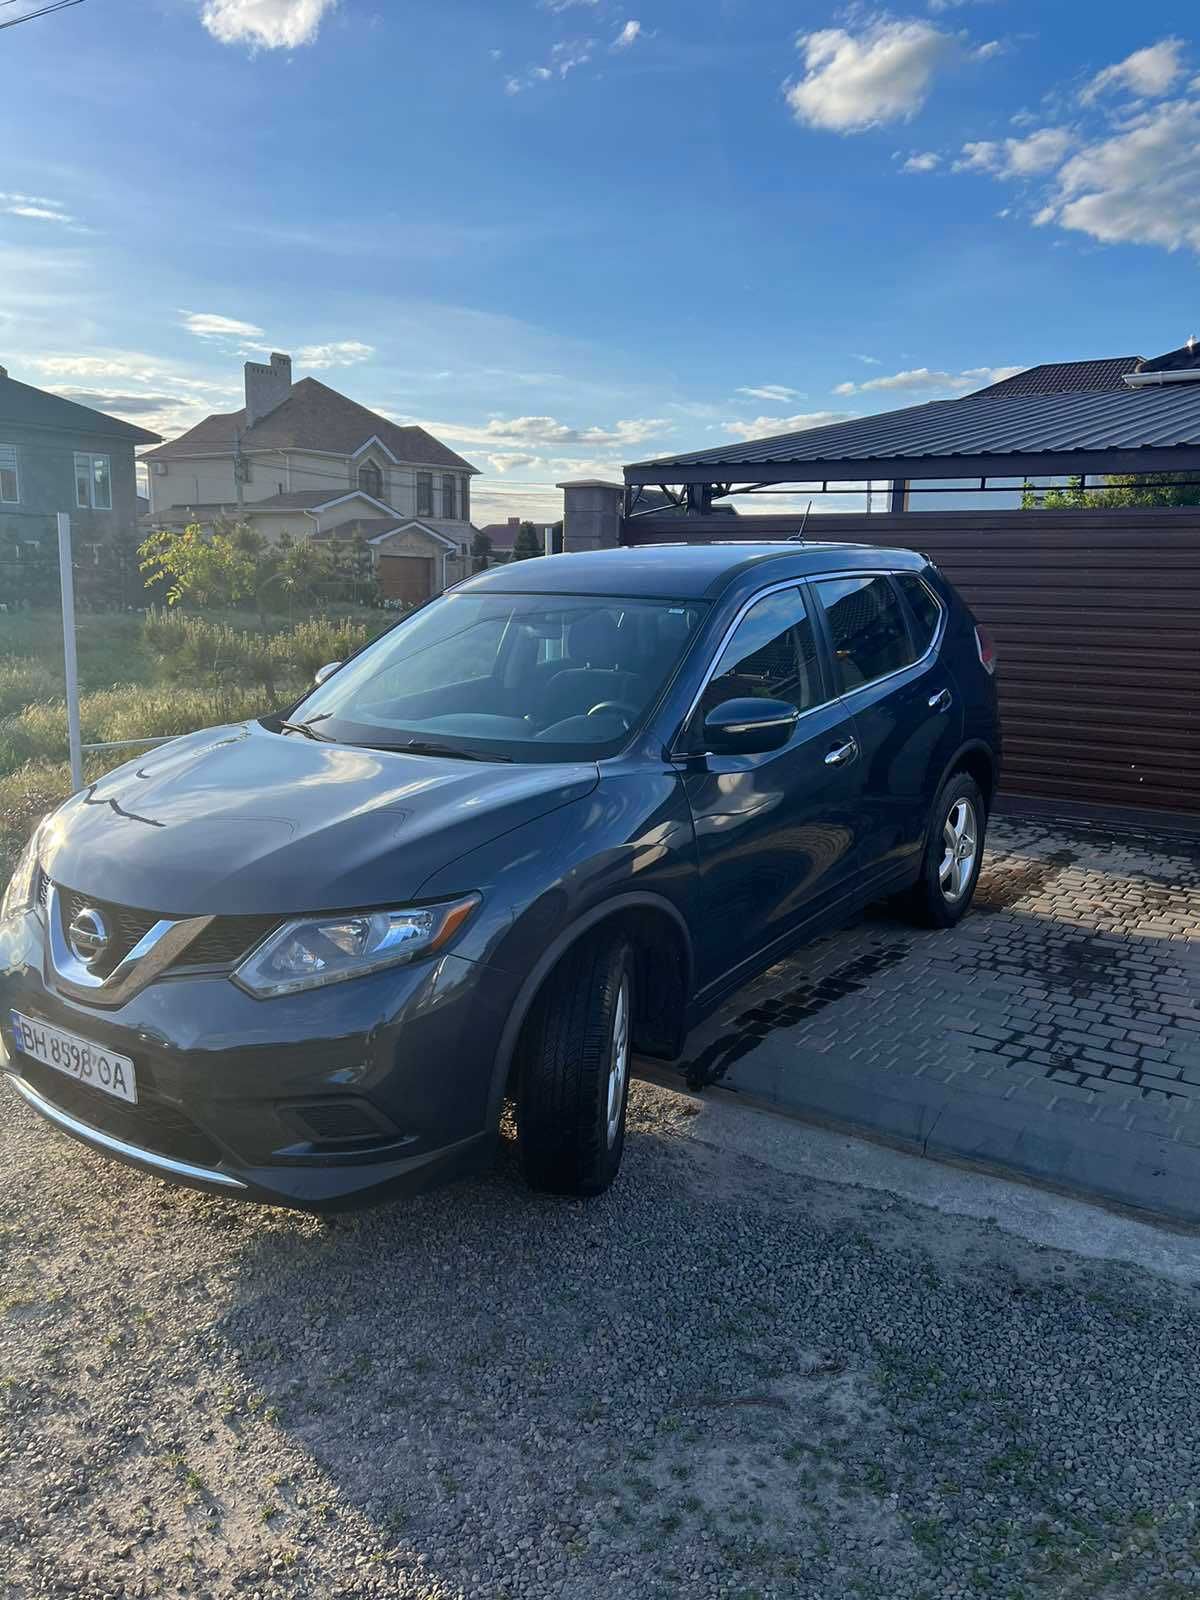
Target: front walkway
1055, 1032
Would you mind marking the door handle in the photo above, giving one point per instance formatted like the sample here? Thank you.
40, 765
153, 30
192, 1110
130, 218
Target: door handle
841, 754
940, 701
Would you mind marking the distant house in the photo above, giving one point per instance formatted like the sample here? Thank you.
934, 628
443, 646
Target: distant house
504, 535
56, 455
303, 460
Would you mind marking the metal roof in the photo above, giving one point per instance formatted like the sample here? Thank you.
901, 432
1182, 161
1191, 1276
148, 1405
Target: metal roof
996, 434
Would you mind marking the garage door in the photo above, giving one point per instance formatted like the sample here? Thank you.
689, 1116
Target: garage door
406, 578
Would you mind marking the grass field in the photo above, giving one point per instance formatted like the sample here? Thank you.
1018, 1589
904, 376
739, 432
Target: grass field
144, 676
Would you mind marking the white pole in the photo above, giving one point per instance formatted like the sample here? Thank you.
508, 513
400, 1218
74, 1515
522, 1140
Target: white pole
548, 539
67, 580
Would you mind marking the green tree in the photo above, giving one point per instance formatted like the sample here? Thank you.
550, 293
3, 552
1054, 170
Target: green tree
527, 543
1147, 489
207, 568
481, 550
297, 571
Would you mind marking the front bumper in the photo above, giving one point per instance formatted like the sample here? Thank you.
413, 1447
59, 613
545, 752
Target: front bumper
334, 1097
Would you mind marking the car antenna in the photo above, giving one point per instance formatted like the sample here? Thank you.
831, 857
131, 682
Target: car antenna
799, 537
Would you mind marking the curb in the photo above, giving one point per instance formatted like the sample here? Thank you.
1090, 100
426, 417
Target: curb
1142, 1172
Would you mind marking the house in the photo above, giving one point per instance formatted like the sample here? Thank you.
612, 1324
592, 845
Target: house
303, 460
504, 535
56, 455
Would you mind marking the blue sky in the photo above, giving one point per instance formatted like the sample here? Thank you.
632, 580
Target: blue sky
569, 234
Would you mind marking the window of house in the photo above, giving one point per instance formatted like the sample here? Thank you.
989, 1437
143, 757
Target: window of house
10, 483
925, 606
866, 627
772, 656
424, 494
370, 480
449, 498
93, 482
464, 499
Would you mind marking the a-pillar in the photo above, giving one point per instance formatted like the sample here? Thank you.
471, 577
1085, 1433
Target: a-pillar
591, 514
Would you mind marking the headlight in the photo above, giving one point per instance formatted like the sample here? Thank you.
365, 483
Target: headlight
22, 886
311, 951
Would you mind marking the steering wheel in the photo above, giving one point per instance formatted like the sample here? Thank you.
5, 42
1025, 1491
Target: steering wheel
627, 713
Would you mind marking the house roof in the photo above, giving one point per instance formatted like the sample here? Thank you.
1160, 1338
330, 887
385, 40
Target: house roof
22, 404
449, 533
313, 417
500, 533
997, 434
358, 528
1060, 377
1185, 359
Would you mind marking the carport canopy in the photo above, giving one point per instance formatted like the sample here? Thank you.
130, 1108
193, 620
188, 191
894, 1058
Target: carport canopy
1132, 430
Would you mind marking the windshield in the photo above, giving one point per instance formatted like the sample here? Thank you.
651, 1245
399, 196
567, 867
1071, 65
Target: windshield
512, 676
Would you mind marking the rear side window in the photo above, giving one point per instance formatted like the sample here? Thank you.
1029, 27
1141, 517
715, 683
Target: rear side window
867, 628
925, 606
772, 656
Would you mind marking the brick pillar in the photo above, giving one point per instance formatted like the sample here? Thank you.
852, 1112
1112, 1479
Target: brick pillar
591, 514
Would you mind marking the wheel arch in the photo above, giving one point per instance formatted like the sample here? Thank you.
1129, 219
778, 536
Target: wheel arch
663, 953
976, 759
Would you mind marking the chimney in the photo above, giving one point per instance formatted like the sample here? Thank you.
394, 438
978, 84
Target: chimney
267, 386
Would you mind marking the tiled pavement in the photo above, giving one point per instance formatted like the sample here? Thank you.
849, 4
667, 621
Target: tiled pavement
1056, 1030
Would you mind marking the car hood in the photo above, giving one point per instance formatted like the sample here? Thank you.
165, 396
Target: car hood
240, 819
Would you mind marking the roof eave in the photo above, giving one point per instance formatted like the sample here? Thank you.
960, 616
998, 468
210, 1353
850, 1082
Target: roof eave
1145, 458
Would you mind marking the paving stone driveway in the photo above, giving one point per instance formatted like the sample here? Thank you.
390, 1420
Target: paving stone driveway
1068, 1001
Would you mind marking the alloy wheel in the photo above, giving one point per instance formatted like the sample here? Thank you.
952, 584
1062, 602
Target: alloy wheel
960, 846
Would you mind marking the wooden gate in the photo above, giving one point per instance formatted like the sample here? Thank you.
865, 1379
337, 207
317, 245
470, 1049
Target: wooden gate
1096, 617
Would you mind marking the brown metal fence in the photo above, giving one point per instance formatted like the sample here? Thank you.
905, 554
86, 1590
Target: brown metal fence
1096, 616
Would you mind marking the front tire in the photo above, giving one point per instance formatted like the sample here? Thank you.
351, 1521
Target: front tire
953, 855
573, 1070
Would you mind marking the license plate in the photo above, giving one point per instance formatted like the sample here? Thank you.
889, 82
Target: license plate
78, 1058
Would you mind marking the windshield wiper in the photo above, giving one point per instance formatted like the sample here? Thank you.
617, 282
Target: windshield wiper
306, 729
417, 747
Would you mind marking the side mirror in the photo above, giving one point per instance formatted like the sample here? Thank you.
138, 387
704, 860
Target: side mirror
327, 671
749, 727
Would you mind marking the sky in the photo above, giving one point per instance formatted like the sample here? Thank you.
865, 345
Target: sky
564, 235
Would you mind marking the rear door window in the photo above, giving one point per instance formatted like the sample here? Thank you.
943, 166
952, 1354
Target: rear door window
867, 630
925, 607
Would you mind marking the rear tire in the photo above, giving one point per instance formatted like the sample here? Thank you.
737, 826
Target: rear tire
573, 1070
953, 855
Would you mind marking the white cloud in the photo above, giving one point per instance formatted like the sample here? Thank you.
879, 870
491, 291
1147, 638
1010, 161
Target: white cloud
883, 74
269, 24
627, 36
1017, 158
924, 161
564, 57
527, 434
1149, 73
566, 5
507, 460
765, 427
341, 353
923, 378
36, 207
1140, 186
208, 325
868, 361
772, 391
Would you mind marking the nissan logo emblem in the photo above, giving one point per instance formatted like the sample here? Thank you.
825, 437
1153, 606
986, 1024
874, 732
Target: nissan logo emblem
88, 935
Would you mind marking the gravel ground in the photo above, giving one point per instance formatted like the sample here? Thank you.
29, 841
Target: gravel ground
719, 1380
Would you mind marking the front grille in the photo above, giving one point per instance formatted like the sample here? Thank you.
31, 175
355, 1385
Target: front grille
151, 1124
126, 925
223, 943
